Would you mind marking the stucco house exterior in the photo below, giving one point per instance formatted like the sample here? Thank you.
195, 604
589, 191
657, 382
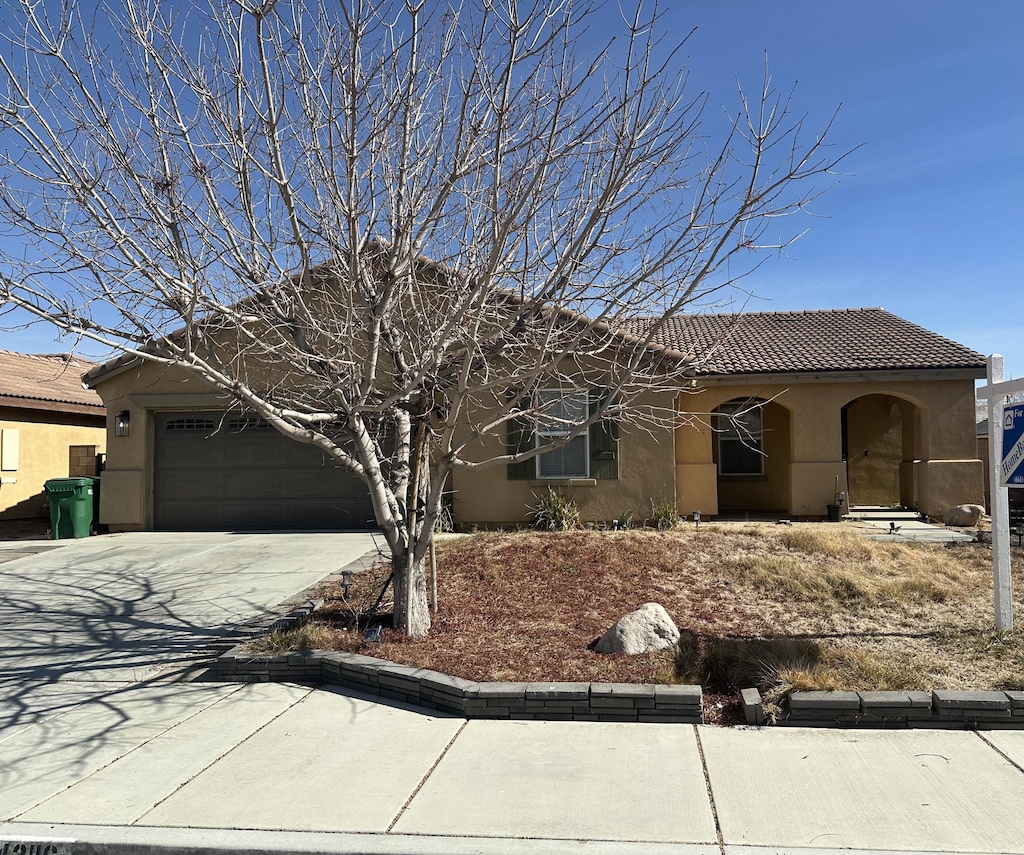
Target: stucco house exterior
50, 427
787, 408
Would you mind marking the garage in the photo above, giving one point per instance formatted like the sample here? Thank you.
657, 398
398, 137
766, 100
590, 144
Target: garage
215, 471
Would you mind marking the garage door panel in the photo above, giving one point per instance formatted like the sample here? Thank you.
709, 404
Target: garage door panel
189, 452
228, 478
315, 483
176, 485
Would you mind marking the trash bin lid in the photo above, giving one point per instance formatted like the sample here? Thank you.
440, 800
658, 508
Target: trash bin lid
64, 485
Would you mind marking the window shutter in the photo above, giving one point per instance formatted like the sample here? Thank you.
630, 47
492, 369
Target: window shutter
520, 439
604, 442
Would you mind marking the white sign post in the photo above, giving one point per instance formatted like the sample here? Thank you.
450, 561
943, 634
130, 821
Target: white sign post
994, 392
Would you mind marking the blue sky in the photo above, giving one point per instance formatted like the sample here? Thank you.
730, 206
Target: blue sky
929, 222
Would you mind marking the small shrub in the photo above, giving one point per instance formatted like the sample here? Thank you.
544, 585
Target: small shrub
555, 511
625, 521
664, 515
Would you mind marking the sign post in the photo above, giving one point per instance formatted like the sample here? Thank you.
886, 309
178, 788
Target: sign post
994, 392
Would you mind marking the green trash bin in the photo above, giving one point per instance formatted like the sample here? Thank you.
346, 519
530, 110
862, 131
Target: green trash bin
70, 507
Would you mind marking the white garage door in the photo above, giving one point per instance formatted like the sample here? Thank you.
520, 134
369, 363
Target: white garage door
214, 472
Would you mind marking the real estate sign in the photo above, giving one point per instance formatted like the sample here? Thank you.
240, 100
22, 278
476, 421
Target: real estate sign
1011, 470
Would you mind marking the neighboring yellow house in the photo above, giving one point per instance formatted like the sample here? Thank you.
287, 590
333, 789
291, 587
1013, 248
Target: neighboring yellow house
857, 401
51, 426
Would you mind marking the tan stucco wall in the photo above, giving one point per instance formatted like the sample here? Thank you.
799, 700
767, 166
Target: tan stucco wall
646, 462
940, 441
44, 440
940, 465
646, 473
983, 455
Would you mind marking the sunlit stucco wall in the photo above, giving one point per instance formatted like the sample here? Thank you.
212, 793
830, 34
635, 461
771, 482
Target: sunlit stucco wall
44, 440
918, 433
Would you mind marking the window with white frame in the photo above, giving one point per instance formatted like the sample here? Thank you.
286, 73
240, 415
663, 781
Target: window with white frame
561, 413
740, 444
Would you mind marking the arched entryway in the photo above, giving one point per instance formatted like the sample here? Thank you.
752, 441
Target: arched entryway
882, 443
752, 450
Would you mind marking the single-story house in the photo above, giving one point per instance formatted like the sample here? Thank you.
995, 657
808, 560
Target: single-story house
787, 408
51, 426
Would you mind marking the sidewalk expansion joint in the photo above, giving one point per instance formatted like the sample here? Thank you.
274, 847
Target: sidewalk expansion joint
711, 795
1000, 752
215, 760
119, 757
423, 780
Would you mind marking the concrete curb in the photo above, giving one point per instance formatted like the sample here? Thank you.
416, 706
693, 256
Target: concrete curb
47, 839
135, 840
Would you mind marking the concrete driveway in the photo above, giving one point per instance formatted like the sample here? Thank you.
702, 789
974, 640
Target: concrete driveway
81, 617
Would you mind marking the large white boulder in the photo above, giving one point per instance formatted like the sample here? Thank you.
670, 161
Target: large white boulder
648, 628
963, 515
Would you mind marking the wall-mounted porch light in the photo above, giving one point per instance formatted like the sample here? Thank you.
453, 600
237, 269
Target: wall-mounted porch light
121, 423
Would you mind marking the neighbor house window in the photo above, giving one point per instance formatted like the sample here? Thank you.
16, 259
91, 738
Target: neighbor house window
739, 439
561, 413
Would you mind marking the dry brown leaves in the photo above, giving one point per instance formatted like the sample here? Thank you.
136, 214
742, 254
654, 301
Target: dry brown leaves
526, 606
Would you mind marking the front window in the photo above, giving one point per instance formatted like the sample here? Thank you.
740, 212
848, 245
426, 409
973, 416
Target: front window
561, 413
740, 443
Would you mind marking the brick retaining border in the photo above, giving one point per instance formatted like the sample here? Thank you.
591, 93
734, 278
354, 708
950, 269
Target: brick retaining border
937, 709
619, 702
436, 691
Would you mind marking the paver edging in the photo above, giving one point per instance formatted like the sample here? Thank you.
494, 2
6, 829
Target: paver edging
617, 702
940, 708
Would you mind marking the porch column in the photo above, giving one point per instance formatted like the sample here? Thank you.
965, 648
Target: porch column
696, 472
817, 455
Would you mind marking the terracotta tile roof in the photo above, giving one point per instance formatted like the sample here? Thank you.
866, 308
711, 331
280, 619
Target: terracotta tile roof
51, 378
812, 341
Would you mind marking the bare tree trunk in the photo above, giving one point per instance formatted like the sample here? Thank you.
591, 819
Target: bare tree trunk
412, 615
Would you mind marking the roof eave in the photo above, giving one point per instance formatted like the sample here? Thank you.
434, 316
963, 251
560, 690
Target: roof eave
51, 406
108, 370
853, 376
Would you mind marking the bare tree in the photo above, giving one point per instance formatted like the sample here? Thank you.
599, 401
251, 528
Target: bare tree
383, 226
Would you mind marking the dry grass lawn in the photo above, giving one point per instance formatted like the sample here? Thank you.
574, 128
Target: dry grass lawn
807, 606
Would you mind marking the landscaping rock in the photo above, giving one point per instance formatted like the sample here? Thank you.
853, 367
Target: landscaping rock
648, 628
963, 515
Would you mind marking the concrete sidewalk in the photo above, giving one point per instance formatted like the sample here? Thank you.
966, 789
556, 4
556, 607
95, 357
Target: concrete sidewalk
160, 767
